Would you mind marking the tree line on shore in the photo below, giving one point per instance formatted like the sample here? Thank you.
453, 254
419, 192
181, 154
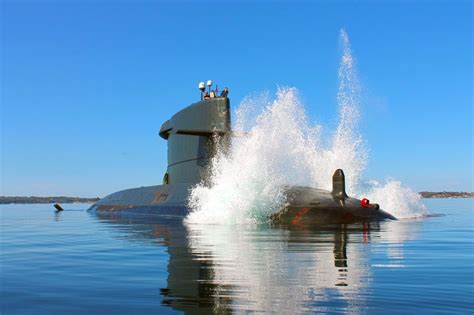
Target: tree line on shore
32, 199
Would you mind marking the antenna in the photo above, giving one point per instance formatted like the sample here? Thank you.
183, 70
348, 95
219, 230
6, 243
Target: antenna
209, 84
202, 87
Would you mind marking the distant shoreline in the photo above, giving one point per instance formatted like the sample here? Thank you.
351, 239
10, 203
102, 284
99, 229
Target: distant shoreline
32, 200
446, 194
63, 199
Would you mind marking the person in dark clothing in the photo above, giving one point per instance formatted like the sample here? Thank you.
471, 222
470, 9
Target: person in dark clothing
224, 92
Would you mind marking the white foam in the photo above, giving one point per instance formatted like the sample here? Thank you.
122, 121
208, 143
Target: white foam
400, 201
283, 148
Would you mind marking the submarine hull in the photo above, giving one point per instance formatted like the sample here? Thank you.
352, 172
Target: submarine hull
160, 199
305, 205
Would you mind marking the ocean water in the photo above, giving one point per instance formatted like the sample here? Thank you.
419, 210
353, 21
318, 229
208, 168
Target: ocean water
75, 262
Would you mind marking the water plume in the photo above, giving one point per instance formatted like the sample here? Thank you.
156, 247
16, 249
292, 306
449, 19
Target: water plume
246, 182
281, 148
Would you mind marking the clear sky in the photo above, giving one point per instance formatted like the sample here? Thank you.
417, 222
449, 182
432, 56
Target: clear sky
85, 85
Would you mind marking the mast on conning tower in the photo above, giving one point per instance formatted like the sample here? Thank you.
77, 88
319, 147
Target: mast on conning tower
211, 93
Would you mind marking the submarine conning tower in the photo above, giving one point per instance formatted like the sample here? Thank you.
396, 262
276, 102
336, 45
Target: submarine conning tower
192, 133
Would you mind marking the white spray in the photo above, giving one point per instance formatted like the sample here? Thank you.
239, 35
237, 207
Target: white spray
281, 148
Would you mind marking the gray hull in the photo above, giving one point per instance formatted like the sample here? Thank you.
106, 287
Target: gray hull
160, 199
305, 205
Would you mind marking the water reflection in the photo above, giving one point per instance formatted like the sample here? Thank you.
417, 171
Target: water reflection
282, 269
215, 268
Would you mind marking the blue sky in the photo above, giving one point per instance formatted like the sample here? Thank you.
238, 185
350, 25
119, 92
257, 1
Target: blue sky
85, 85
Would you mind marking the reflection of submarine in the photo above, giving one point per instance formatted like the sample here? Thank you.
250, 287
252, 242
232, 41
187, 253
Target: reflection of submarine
193, 135
287, 271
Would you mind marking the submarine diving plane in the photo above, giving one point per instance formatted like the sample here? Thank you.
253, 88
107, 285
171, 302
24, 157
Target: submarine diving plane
192, 135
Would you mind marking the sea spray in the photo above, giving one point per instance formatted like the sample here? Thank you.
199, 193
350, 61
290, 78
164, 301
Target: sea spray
348, 151
276, 147
247, 180
397, 199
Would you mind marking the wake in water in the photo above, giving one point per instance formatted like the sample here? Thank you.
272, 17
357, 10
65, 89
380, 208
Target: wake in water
280, 148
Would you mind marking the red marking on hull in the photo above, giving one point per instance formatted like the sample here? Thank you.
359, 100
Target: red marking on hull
299, 215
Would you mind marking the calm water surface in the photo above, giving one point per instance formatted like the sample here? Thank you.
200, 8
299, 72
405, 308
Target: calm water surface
77, 262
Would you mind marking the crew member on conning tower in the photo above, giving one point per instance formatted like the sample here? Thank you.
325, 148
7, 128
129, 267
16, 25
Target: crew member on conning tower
224, 92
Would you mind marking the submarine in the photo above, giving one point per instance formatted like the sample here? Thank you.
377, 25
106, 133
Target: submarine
193, 135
